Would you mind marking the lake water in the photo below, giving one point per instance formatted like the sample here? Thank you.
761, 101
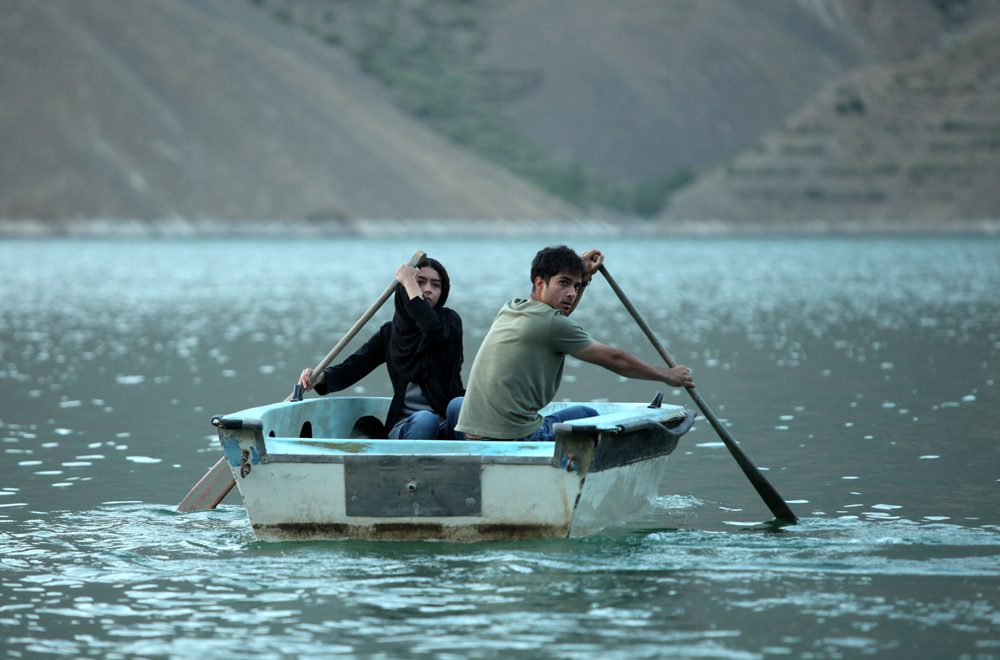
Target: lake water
860, 372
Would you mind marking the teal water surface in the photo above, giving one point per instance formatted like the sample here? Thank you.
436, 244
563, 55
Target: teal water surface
859, 373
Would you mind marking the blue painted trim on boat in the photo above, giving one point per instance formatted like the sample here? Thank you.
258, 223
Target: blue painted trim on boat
341, 413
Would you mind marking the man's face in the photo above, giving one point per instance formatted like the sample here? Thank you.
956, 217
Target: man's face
560, 291
430, 285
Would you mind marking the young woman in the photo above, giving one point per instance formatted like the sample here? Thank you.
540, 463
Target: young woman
422, 350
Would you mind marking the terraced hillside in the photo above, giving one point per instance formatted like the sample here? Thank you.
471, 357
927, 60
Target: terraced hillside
426, 109
616, 105
913, 142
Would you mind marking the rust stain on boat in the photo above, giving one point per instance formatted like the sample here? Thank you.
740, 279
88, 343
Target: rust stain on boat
305, 531
408, 532
519, 532
346, 447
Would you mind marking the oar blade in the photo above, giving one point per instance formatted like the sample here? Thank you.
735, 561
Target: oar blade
767, 492
212, 488
215, 485
771, 498
779, 508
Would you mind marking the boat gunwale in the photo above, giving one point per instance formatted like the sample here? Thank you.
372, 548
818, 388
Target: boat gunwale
485, 459
618, 420
626, 418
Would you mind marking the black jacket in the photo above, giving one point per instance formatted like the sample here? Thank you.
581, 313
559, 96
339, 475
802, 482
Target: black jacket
443, 327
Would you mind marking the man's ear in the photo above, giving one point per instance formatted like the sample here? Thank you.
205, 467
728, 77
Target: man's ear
538, 284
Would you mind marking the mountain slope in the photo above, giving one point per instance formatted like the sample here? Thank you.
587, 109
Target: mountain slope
637, 88
614, 105
156, 109
915, 142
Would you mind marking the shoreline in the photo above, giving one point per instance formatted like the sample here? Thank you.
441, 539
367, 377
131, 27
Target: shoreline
173, 228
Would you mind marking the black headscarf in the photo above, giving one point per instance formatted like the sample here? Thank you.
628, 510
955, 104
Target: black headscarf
407, 344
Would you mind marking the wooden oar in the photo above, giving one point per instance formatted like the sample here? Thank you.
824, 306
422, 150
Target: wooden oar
774, 502
217, 483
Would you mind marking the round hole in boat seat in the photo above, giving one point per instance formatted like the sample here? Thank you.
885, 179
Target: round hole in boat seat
367, 428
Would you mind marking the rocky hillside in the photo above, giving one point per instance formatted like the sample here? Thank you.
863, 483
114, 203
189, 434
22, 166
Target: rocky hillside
161, 108
636, 88
408, 109
615, 104
917, 142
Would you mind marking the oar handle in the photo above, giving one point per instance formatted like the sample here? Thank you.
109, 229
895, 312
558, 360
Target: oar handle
418, 256
638, 318
774, 501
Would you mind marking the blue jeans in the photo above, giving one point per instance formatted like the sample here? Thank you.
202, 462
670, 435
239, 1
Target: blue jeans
424, 425
543, 434
421, 425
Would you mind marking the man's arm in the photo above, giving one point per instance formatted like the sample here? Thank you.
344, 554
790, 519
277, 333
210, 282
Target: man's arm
628, 365
592, 260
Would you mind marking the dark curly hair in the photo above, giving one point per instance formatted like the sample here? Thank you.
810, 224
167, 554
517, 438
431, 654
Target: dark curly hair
554, 260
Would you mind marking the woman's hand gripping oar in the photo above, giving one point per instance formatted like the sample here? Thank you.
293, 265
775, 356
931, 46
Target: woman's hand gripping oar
217, 483
774, 502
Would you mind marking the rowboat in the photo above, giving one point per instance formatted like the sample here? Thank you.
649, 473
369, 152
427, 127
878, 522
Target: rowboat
315, 469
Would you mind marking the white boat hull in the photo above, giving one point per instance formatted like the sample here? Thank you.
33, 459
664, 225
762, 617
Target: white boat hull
599, 472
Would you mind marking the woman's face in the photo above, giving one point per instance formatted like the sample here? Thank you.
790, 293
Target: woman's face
430, 285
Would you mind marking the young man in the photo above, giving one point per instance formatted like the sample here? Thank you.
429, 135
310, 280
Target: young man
520, 363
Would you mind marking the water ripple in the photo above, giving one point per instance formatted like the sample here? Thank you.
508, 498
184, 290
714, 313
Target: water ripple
869, 356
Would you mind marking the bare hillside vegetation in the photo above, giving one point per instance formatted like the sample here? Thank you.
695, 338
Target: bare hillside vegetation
158, 109
916, 142
618, 104
501, 109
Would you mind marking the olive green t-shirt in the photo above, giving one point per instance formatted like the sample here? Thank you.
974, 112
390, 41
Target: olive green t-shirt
518, 369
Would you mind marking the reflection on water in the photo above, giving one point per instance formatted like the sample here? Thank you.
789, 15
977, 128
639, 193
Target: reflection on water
859, 373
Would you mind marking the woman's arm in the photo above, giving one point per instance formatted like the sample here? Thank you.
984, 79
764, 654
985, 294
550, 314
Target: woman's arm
442, 325
365, 360
406, 275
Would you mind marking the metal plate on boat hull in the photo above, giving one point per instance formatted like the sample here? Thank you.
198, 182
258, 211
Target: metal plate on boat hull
400, 486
